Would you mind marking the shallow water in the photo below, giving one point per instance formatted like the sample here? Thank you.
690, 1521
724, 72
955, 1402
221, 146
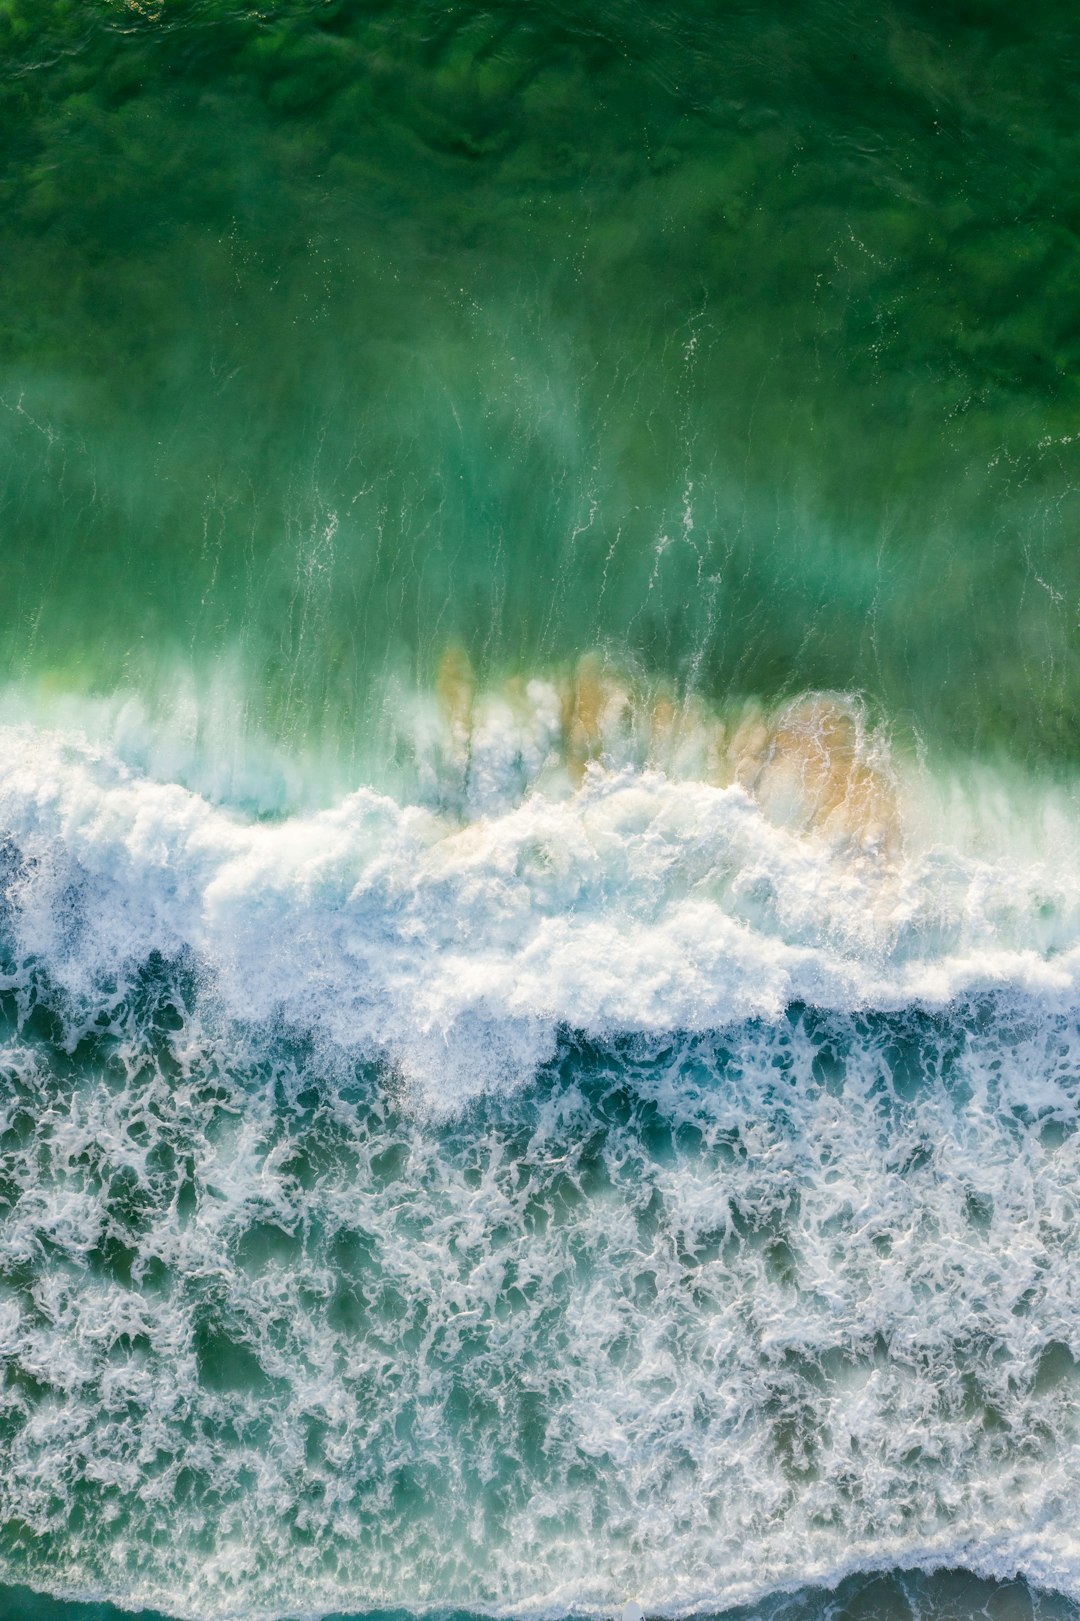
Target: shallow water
539, 904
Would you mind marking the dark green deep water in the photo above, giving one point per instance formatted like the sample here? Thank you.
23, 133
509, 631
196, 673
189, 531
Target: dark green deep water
339, 1269
741, 337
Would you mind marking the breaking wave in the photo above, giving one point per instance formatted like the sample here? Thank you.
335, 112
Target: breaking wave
347, 1154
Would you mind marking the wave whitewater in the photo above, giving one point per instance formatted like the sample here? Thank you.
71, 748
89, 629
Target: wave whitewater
345, 1156
550, 872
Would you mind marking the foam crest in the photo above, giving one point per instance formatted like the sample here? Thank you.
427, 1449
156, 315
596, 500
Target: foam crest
634, 901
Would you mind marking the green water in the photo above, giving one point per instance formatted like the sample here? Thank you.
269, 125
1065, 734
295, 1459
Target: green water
740, 340
537, 1186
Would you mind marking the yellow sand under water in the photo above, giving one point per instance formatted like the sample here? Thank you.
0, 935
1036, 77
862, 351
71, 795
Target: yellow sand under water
813, 764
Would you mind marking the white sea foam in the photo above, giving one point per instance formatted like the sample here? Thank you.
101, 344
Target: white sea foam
752, 1299
637, 902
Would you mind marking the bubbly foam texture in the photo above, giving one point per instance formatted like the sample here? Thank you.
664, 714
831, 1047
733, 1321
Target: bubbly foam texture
527, 889
731, 1295
692, 1321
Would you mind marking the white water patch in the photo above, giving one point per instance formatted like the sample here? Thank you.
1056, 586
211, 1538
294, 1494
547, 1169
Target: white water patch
637, 902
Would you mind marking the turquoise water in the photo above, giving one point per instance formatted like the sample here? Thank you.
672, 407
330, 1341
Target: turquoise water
947, 1596
950, 1595
539, 900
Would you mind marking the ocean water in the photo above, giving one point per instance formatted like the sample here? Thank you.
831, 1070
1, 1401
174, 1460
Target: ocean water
539, 810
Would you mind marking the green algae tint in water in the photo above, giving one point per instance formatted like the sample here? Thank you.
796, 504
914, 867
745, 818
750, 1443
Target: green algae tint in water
739, 339
539, 901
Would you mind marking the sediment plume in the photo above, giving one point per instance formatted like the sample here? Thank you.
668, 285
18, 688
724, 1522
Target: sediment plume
813, 764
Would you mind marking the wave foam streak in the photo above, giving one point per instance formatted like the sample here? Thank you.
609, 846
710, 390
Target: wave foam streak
688, 1320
